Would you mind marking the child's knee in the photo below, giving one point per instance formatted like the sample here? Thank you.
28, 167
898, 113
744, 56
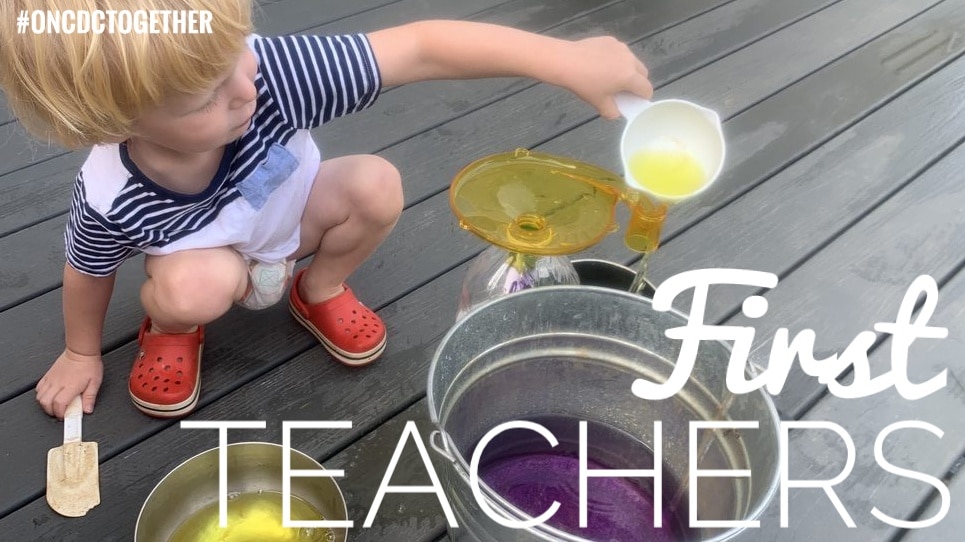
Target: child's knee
378, 193
199, 285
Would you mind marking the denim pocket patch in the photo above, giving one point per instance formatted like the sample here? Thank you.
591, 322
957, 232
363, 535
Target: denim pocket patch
277, 166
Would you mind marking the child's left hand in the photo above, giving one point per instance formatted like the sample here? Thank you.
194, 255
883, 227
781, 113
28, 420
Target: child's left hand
599, 68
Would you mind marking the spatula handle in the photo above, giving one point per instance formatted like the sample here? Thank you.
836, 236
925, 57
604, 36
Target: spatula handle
72, 420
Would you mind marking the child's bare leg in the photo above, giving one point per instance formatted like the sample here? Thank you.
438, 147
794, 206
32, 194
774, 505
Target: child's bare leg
353, 205
183, 291
192, 287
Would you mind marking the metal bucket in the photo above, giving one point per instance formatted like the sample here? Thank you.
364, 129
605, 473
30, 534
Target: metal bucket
252, 467
573, 351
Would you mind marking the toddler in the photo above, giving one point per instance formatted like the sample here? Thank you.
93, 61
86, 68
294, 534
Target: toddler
202, 160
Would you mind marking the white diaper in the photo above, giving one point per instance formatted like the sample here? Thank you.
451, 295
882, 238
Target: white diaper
267, 283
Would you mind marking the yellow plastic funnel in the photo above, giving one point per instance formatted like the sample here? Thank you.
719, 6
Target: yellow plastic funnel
538, 203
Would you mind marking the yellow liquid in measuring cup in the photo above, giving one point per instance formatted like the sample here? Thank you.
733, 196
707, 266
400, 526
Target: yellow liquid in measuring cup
252, 517
667, 171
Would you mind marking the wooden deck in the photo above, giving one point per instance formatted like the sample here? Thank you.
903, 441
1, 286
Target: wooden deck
845, 122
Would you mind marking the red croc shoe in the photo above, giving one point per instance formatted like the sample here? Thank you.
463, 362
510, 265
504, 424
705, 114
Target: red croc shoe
346, 328
165, 381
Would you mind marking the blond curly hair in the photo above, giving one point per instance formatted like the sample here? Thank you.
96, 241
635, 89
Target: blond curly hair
85, 89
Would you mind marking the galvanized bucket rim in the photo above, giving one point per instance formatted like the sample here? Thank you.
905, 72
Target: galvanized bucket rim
462, 467
140, 514
542, 290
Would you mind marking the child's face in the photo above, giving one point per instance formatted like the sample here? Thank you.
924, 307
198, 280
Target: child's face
206, 121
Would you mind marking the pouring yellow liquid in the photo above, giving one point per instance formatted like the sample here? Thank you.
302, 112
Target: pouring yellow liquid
252, 517
667, 170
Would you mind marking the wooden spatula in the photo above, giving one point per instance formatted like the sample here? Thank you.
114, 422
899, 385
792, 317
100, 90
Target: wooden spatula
73, 483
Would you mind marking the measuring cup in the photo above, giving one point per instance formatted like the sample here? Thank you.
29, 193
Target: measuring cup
673, 125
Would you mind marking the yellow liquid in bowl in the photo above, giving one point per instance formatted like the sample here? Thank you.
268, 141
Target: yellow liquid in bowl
669, 172
252, 517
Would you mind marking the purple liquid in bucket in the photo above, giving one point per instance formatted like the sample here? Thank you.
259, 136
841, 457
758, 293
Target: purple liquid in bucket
527, 472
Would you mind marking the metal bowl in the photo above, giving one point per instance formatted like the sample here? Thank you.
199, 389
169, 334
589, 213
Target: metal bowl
252, 466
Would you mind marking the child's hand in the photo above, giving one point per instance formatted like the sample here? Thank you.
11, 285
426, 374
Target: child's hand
71, 375
599, 68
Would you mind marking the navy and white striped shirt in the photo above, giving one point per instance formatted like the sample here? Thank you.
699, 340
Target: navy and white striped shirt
302, 82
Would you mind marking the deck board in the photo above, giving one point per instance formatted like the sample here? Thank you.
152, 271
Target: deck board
844, 121
820, 454
428, 223
952, 525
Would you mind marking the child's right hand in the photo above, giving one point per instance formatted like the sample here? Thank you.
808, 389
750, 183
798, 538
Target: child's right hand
596, 69
71, 375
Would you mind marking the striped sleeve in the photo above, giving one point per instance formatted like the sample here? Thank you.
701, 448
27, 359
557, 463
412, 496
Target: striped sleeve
314, 79
91, 247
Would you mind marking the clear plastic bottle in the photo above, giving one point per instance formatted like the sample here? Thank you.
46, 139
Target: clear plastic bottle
497, 272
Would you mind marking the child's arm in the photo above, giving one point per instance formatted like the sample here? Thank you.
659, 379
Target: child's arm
594, 69
79, 369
